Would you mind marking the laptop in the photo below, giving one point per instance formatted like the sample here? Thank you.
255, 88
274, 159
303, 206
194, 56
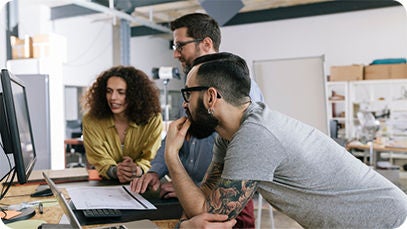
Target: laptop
73, 220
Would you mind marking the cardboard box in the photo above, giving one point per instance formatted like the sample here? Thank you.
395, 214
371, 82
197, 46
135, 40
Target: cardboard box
386, 71
21, 48
398, 71
50, 45
379, 71
345, 73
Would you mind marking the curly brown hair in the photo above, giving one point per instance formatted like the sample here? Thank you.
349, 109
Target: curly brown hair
142, 95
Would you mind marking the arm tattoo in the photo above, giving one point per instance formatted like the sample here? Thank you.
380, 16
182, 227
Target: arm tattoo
230, 196
211, 177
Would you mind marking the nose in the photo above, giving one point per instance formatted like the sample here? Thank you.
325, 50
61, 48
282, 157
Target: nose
185, 105
176, 54
114, 94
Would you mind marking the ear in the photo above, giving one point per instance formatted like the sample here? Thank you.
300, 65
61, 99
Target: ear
207, 44
212, 96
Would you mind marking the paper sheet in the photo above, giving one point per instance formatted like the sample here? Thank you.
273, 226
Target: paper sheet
113, 197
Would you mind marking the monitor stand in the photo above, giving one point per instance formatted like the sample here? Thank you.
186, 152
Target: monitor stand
26, 213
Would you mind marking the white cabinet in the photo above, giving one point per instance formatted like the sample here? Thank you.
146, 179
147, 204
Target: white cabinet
386, 99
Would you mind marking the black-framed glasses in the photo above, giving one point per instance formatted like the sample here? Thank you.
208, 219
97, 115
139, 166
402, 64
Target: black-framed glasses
186, 92
179, 45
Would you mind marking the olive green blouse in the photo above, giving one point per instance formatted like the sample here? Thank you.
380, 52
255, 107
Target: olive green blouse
103, 147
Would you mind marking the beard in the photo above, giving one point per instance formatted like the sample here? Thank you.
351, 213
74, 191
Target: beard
203, 125
189, 62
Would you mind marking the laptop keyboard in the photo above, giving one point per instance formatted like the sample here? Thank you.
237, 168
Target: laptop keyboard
102, 213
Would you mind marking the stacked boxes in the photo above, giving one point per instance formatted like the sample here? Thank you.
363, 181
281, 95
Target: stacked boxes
386, 71
370, 72
40, 46
50, 45
344, 73
21, 48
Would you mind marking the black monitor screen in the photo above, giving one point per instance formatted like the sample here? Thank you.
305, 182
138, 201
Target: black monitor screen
16, 130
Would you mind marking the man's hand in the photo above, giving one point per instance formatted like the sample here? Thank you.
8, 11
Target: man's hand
176, 134
207, 220
167, 191
127, 170
140, 185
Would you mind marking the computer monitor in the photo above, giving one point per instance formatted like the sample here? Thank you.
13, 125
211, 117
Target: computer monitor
15, 125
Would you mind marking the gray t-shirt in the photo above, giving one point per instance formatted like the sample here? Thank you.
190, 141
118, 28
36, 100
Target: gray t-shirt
308, 176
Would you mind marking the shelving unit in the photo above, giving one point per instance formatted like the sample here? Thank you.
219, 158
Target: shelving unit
381, 97
337, 107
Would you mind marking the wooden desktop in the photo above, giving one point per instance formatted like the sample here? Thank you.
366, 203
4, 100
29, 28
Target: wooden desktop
52, 212
377, 149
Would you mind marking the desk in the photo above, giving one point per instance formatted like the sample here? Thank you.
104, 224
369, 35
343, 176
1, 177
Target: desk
377, 148
52, 212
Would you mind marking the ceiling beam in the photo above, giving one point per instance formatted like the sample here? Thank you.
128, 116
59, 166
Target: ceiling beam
308, 10
70, 10
289, 12
91, 6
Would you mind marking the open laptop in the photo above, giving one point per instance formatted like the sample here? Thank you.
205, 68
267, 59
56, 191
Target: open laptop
74, 222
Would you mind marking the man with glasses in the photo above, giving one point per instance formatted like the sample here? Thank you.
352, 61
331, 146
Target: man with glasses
195, 35
295, 167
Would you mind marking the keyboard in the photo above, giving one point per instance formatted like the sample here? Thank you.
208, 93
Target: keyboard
102, 213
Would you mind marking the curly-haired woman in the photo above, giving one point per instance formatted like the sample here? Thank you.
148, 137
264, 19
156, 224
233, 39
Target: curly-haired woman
123, 123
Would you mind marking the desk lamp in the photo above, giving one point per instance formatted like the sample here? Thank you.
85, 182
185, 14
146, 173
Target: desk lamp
369, 127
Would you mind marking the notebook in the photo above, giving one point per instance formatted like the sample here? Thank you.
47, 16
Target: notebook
73, 220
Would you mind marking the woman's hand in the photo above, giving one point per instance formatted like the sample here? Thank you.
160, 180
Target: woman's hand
127, 170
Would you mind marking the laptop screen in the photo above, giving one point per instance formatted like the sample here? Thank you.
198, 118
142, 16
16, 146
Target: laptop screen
62, 202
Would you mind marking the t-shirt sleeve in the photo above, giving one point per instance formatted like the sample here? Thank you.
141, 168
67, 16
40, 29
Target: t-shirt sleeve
253, 154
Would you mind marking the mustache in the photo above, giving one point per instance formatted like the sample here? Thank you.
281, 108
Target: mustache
202, 127
188, 114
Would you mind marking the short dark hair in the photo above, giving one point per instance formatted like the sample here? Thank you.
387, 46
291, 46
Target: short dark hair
226, 72
199, 26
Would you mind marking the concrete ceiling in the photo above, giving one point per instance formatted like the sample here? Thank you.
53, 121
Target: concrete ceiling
148, 17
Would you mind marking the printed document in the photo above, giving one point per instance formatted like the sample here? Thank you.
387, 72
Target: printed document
108, 197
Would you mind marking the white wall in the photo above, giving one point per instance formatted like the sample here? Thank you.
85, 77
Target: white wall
89, 45
33, 18
153, 51
345, 38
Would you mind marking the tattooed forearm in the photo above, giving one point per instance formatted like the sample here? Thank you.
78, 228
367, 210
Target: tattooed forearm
211, 178
231, 196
